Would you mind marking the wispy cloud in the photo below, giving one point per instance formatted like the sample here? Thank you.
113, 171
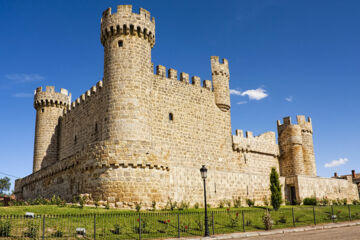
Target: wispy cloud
22, 77
289, 99
242, 102
23, 95
235, 92
335, 163
255, 94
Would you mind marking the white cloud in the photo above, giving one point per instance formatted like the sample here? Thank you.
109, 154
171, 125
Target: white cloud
235, 92
289, 99
22, 77
23, 95
242, 102
255, 94
335, 163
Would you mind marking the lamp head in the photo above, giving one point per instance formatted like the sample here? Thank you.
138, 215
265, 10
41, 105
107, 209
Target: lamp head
203, 171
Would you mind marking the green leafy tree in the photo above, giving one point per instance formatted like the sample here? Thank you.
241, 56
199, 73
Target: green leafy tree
275, 188
4, 184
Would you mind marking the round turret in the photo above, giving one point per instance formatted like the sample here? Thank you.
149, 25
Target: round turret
221, 76
49, 107
291, 152
127, 38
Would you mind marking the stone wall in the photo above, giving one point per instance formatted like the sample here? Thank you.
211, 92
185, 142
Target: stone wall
322, 187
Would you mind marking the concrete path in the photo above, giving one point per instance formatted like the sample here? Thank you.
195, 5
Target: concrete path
338, 231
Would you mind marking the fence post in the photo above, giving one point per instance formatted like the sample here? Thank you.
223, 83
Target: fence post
43, 228
314, 215
243, 217
293, 216
213, 224
178, 215
349, 213
332, 213
94, 226
139, 226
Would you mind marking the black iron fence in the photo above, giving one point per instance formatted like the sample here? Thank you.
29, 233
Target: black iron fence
166, 224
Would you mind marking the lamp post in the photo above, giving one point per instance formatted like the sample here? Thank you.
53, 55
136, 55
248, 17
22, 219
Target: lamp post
203, 171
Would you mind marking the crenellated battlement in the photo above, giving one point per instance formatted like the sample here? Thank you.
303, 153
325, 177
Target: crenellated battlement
51, 98
172, 74
125, 22
305, 125
264, 143
220, 68
94, 90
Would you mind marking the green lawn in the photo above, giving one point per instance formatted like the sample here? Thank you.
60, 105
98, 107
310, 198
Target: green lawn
61, 222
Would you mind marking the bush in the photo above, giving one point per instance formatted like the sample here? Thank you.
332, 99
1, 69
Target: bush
355, 202
250, 202
267, 220
183, 205
153, 205
5, 228
310, 201
196, 205
117, 229
170, 204
221, 204
32, 230
344, 201
228, 203
107, 206
324, 201
138, 206
282, 219
58, 234
237, 202
266, 201
275, 188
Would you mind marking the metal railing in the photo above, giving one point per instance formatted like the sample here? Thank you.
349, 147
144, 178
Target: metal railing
146, 225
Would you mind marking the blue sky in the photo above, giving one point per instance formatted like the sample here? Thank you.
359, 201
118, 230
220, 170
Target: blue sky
285, 57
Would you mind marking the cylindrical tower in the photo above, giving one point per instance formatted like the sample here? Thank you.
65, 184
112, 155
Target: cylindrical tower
49, 107
291, 152
220, 77
127, 38
308, 145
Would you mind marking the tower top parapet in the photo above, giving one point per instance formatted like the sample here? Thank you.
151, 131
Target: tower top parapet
305, 125
51, 98
219, 68
124, 21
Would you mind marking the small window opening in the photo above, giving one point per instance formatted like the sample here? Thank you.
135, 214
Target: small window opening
96, 127
171, 117
120, 43
75, 139
42, 110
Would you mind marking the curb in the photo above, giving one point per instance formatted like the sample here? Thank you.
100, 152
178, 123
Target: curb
272, 232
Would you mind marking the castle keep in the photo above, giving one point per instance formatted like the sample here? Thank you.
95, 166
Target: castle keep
137, 136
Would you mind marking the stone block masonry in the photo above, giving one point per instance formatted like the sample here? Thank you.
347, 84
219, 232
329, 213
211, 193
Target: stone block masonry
139, 136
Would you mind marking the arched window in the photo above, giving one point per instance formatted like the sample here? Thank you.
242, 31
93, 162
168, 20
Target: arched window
171, 116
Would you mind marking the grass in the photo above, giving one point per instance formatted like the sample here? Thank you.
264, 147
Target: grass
61, 222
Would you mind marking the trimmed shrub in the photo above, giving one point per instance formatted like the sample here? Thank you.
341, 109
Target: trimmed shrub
310, 201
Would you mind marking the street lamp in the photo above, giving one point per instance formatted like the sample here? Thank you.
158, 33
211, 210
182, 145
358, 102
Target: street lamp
203, 171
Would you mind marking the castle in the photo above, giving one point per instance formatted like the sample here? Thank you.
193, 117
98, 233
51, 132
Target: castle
141, 137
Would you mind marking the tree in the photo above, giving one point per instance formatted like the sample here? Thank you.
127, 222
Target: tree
4, 184
275, 188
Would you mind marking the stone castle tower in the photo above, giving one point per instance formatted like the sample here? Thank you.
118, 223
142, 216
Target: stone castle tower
139, 136
296, 147
49, 107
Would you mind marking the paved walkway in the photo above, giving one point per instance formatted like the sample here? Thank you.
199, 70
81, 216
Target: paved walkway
338, 231
343, 233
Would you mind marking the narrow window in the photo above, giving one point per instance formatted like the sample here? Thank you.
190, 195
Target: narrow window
96, 127
75, 139
120, 43
171, 117
42, 110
